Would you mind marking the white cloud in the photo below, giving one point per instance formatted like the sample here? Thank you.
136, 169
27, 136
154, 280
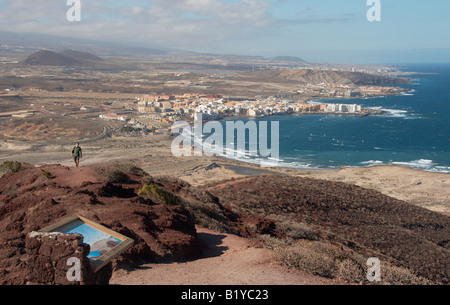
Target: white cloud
191, 24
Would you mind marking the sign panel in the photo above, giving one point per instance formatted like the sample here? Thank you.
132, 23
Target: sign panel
105, 244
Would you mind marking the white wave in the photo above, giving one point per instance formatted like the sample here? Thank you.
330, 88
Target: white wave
372, 162
276, 159
421, 164
425, 165
397, 113
442, 169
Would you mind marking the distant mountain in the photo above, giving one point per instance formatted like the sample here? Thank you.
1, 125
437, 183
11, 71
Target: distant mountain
289, 59
25, 43
341, 77
69, 58
306, 76
21, 44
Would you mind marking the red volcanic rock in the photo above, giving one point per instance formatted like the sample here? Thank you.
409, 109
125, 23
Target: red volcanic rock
30, 201
346, 215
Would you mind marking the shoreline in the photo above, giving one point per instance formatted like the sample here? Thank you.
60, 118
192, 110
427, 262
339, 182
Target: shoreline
316, 100
426, 189
336, 168
278, 169
153, 154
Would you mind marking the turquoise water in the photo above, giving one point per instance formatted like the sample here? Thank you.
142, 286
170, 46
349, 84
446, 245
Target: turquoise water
415, 132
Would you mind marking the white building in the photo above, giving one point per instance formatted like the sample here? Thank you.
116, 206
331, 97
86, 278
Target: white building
342, 108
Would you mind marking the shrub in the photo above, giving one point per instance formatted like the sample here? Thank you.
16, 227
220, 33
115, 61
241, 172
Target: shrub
306, 259
392, 275
14, 166
351, 271
156, 193
325, 260
115, 172
297, 230
47, 174
318, 258
208, 215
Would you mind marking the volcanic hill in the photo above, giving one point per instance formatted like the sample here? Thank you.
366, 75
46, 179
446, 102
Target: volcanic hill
68, 58
329, 228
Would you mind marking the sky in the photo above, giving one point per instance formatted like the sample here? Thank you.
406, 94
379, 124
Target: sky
335, 31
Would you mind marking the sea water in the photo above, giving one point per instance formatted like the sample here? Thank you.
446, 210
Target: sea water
414, 132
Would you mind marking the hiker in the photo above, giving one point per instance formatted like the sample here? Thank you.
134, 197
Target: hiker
77, 154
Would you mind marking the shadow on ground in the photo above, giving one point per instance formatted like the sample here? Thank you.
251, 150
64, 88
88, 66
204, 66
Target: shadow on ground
211, 244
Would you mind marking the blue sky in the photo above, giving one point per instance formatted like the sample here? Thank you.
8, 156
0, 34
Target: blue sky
315, 30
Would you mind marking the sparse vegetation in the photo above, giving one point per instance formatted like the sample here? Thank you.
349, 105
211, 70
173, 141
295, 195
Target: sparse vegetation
297, 230
356, 223
400, 276
117, 172
317, 258
14, 166
47, 174
159, 194
129, 129
325, 260
202, 205
113, 175
209, 215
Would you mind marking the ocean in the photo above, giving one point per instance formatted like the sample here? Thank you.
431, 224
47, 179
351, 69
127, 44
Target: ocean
414, 132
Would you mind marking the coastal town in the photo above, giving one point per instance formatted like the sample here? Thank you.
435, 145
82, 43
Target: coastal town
152, 112
161, 110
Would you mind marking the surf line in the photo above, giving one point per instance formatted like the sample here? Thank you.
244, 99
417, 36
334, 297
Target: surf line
190, 142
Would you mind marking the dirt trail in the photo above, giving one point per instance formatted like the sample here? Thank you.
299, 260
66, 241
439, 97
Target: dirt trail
227, 260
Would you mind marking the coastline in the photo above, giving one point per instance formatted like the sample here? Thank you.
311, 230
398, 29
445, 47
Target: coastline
315, 100
422, 188
153, 154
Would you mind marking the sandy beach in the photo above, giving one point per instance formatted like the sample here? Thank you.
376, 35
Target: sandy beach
153, 154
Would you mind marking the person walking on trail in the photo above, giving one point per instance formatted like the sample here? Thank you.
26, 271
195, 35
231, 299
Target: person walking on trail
77, 154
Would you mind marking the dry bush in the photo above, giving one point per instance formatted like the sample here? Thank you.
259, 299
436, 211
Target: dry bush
128, 167
297, 230
325, 260
204, 207
208, 216
116, 172
168, 180
318, 258
47, 174
112, 175
305, 258
392, 275
351, 271
159, 194
14, 167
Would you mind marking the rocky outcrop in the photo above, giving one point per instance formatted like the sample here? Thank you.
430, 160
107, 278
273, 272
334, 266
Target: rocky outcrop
60, 259
30, 201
